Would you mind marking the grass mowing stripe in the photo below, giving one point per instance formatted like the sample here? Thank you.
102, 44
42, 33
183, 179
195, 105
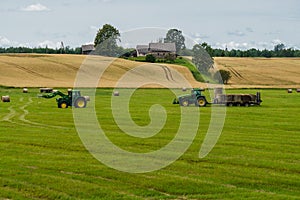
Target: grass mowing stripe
255, 157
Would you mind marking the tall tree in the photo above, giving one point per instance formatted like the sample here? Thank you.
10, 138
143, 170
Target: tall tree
174, 35
202, 59
106, 41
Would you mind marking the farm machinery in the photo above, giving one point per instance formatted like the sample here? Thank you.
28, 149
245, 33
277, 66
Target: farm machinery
198, 99
195, 98
73, 98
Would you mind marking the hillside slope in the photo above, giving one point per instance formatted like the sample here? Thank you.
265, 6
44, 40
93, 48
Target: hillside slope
38, 70
34, 70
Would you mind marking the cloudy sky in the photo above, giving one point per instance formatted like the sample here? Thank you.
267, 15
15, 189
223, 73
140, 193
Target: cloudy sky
239, 24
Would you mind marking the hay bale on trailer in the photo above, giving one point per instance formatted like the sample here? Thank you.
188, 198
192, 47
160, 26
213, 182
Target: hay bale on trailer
218, 91
46, 90
5, 98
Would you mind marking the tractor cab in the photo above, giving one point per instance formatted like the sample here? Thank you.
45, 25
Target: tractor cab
196, 92
73, 93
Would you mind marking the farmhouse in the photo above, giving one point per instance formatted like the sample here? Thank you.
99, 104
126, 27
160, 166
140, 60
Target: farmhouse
87, 49
142, 50
159, 50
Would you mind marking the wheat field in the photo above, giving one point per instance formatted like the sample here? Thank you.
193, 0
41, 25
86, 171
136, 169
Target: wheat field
262, 72
39, 70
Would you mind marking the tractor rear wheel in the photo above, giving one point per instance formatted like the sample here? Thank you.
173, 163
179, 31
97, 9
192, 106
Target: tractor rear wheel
201, 102
80, 102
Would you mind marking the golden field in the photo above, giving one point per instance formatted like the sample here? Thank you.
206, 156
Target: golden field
38, 70
262, 72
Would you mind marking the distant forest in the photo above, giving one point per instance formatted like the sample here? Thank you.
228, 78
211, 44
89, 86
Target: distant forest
279, 51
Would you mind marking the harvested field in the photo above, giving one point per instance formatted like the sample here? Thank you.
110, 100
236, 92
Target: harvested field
31, 70
262, 72
38, 70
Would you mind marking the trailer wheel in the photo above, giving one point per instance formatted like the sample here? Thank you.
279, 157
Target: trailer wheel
238, 104
230, 104
246, 104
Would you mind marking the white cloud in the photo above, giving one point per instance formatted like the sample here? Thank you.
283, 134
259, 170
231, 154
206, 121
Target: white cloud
35, 7
236, 33
4, 41
199, 38
49, 44
277, 41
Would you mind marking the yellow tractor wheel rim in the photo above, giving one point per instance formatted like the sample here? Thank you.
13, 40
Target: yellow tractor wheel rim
63, 105
201, 102
80, 103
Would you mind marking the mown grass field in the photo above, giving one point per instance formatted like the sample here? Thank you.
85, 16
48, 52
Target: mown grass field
256, 157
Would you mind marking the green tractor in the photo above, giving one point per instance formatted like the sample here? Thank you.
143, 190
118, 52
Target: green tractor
73, 98
196, 98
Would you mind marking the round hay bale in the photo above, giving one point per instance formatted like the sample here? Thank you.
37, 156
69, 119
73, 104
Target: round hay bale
5, 99
116, 93
25, 90
290, 90
46, 90
183, 89
87, 98
298, 90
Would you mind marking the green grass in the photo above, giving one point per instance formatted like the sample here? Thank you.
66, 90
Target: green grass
256, 157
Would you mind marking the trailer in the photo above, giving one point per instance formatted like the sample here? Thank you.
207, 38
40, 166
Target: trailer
198, 99
238, 99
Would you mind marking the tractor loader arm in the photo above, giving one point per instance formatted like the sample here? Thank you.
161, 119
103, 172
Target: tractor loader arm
52, 95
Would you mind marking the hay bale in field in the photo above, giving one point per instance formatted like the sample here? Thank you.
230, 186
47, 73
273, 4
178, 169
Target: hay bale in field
183, 89
46, 90
25, 90
298, 90
87, 98
5, 98
290, 90
116, 93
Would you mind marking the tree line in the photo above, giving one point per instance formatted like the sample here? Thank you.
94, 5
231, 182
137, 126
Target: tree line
41, 50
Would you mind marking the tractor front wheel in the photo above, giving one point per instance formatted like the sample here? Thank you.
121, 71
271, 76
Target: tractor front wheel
80, 102
62, 105
185, 102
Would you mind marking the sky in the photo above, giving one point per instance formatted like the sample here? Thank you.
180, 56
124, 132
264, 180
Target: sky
238, 24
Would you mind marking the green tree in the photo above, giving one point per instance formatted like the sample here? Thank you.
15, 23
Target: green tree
202, 59
223, 76
106, 41
150, 58
208, 49
174, 35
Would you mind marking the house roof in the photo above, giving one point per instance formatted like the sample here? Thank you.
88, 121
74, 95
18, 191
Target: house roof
167, 47
142, 49
88, 47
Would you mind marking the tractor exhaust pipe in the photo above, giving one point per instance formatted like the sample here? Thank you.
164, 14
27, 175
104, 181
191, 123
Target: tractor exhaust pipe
258, 99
